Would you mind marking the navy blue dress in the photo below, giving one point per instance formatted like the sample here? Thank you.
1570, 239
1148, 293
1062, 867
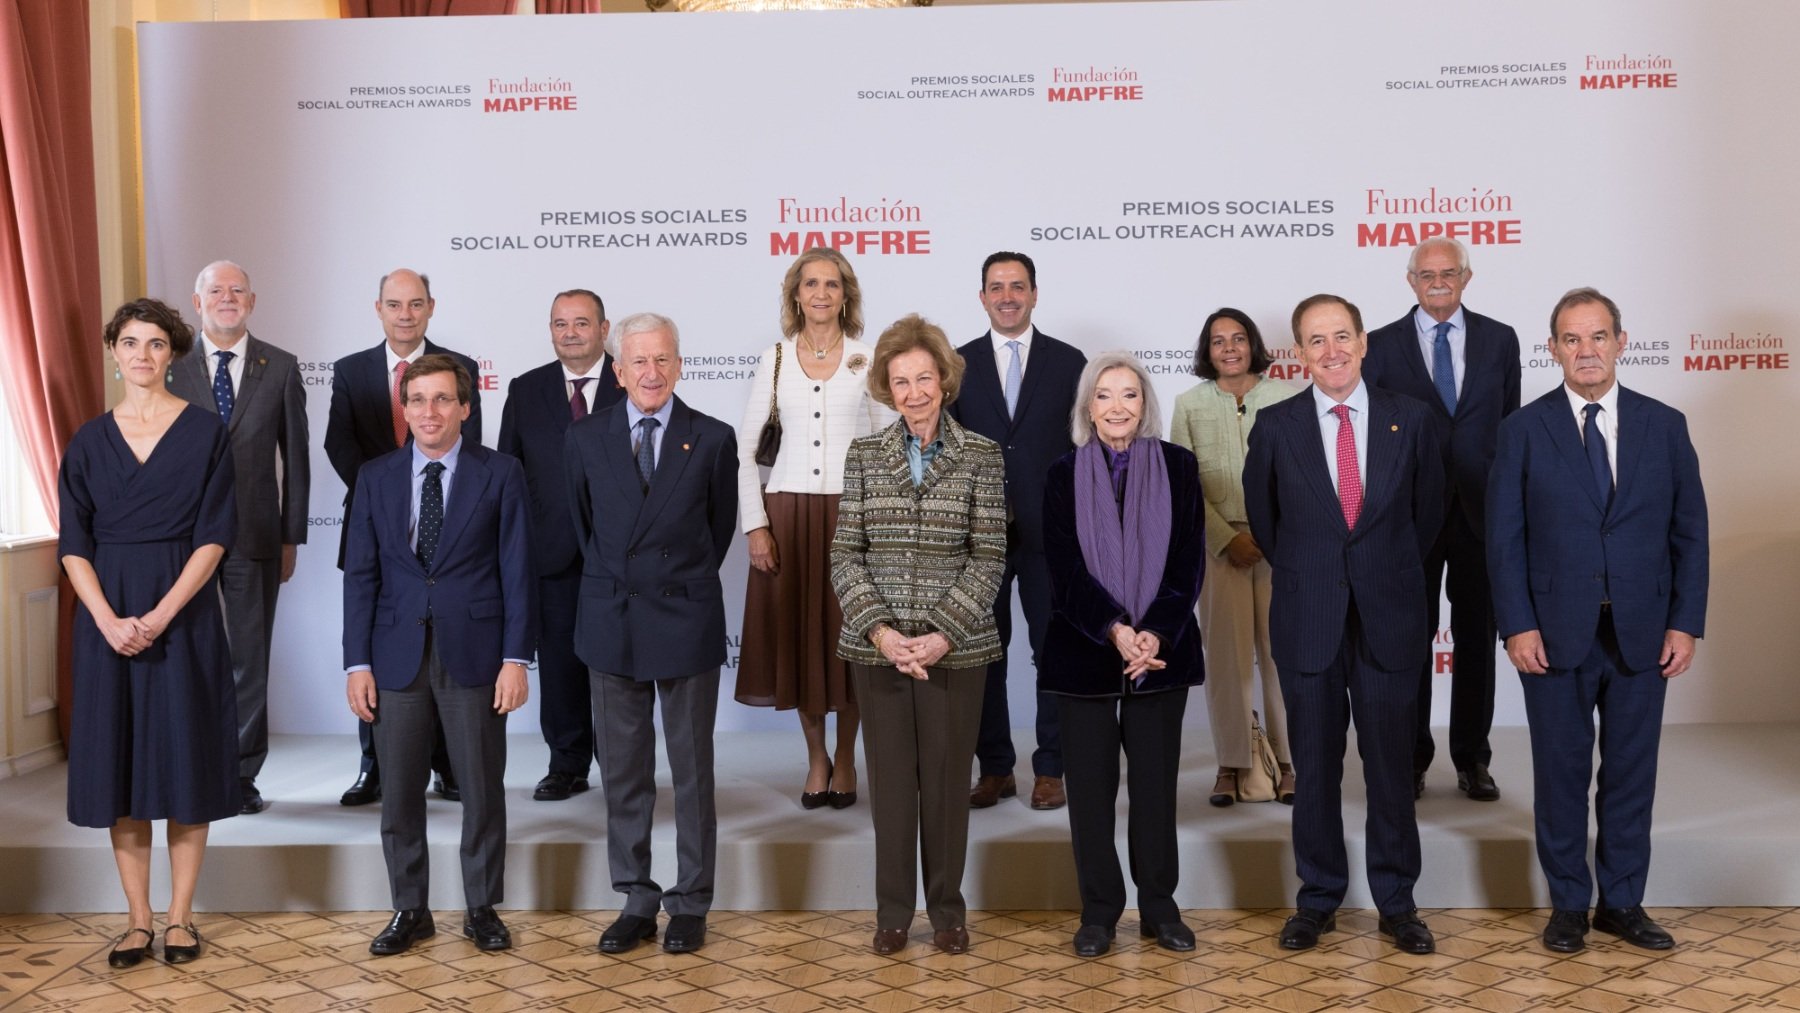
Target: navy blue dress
152, 736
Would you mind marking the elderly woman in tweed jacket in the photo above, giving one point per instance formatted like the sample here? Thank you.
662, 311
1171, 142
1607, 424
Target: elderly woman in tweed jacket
917, 561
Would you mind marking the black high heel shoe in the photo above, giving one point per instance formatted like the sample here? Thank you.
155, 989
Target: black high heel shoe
174, 954
841, 799
130, 957
816, 799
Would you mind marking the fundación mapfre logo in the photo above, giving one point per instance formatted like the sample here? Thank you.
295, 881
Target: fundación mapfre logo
1734, 352
529, 94
1626, 72
1476, 215
1092, 84
879, 226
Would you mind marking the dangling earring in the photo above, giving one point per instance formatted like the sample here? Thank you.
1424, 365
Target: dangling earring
117, 375
169, 377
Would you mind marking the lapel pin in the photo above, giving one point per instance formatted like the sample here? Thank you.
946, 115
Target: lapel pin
1393, 429
685, 446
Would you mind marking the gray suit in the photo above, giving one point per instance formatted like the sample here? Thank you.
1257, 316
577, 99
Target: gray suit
269, 447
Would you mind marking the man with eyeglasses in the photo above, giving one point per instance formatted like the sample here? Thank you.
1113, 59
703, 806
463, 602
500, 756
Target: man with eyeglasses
1466, 367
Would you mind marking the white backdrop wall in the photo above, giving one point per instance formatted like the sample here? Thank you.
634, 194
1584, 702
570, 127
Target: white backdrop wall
1157, 160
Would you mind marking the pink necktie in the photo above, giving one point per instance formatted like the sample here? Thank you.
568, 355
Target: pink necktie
1349, 482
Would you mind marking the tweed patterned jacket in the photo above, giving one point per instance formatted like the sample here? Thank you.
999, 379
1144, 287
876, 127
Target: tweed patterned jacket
925, 559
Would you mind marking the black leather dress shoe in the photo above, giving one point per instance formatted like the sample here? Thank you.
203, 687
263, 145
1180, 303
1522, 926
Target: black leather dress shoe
557, 786
1173, 935
130, 956
1304, 927
623, 935
486, 928
1567, 931
685, 934
1477, 783
1093, 940
1634, 926
366, 789
1409, 933
445, 786
253, 801
406, 928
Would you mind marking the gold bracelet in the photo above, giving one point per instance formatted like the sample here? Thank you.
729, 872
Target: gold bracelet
881, 633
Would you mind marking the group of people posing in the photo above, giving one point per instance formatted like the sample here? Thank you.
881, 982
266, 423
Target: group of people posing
893, 495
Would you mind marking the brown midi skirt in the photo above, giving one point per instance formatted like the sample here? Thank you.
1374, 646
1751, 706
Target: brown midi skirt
788, 656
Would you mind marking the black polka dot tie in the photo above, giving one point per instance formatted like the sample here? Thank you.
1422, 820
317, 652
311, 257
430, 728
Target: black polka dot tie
431, 512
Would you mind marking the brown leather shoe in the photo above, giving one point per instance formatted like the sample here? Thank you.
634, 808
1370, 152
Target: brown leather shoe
954, 940
1047, 793
990, 789
889, 941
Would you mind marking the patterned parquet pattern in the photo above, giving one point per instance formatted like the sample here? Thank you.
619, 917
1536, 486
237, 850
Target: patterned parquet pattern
797, 962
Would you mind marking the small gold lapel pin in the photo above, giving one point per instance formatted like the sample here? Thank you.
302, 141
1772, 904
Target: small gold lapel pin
1393, 429
686, 446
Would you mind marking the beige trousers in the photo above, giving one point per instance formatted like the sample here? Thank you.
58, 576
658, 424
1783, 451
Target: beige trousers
1234, 629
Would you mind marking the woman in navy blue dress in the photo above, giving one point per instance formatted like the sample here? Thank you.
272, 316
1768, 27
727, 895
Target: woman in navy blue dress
147, 513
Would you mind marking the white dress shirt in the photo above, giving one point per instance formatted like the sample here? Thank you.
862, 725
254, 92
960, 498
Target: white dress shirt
1359, 426
1607, 421
1459, 344
236, 367
1003, 355
595, 377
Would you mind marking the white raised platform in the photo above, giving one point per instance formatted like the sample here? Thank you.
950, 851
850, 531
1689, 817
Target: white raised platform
1727, 829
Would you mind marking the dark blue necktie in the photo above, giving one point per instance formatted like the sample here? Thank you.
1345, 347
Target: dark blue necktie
646, 451
222, 386
1443, 371
431, 513
1596, 455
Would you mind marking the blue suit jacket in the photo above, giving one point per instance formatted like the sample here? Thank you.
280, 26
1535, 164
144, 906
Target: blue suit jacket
1317, 561
1554, 555
532, 426
651, 603
1490, 392
479, 593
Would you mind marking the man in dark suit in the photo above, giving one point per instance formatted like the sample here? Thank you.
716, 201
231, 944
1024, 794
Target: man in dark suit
540, 405
1466, 368
366, 422
653, 489
255, 388
1597, 544
1017, 391
1344, 488
437, 632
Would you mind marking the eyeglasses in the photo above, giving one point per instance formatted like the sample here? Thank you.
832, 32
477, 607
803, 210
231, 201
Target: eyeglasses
1432, 277
441, 402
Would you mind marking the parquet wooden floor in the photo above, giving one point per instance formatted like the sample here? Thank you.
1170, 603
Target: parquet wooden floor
797, 962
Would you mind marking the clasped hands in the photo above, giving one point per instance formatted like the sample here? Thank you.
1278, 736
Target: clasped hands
1138, 648
133, 635
510, 691
911, 655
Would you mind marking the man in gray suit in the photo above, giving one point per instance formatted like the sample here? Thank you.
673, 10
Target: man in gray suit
653, 485
255, 388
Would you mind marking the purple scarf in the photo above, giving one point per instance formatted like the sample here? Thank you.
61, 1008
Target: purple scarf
1124, 554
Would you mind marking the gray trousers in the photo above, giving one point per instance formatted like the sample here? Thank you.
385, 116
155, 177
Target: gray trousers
475, 737
625, 739
247, 591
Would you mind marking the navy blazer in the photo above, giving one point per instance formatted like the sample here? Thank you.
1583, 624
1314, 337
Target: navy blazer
1554, 555
1490, 392
1317, 562
1079, 658
479, 593
651, 603
532, 424
1037, 436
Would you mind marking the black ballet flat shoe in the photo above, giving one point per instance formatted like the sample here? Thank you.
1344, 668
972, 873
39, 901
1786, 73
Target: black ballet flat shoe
173, 954
818, 799
123, 956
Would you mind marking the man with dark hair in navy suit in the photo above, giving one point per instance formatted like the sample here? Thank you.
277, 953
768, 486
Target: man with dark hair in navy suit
1597, 545
1344, 487
1465, 367
540, 405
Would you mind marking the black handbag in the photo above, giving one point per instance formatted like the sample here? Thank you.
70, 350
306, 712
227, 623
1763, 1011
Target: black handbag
768, 442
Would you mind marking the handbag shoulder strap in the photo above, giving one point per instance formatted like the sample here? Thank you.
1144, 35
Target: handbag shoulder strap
775, 387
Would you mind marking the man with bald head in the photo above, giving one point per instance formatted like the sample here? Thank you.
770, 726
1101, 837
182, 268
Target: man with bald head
366, 421
255, 389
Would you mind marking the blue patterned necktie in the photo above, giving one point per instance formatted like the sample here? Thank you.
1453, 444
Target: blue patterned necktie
222, 386
1596, 454
1443, 371
431, 513
646, 450
1013, 374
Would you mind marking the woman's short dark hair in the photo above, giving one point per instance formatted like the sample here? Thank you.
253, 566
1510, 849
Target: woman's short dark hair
1259, 353
907, 334
152, 311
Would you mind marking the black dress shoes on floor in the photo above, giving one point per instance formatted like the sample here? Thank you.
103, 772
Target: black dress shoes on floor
622, 936
253, 801
1567, 931
486, 928
1173, 935
445, 786
557, 786
1477, 783
175, 953
685, 934
130, 956
406, 928
1408, 933
889, 941
1634, 926
1304, 927
1093, 940
366, 789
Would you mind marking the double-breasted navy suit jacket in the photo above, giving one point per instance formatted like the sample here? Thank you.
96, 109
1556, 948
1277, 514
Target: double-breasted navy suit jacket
1317, 562
1555, 552
651, 603
533, 424
480, 589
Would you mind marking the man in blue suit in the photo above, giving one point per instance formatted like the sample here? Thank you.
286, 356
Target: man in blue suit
540, 406
1466, 368
1344, 487
653, 492
437, 629
1598, 553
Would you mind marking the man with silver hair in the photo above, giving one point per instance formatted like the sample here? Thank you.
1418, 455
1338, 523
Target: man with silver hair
653, 488
255, 389
1465, 367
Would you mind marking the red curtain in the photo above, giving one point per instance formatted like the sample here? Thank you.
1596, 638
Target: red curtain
568, 6
422, 8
